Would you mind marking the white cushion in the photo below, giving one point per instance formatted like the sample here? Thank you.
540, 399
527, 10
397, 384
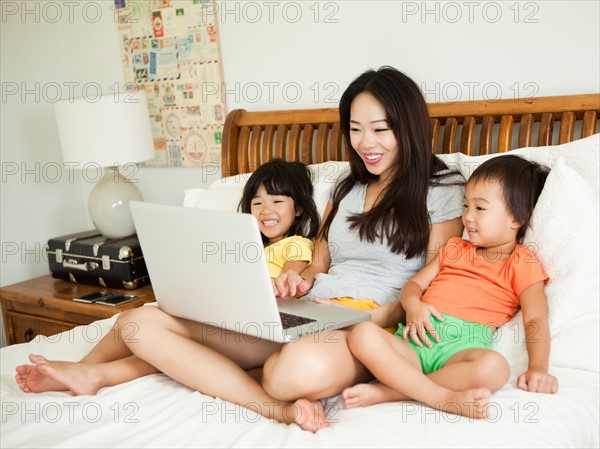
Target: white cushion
226, 199
564, 236
325, 176
582, 155
226, 193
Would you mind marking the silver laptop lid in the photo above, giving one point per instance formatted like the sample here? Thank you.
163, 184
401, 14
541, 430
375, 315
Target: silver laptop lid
208, 266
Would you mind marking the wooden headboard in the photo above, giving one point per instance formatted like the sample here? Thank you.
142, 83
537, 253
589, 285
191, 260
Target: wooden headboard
471, 127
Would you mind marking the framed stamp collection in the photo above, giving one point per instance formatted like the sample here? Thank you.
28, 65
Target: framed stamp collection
170, 48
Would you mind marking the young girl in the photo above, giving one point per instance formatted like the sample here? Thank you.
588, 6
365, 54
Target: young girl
460, 298
280, 195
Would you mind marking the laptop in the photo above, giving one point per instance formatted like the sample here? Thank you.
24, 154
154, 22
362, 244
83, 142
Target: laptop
210, 266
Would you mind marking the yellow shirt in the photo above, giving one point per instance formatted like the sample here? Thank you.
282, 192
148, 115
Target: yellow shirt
290, 248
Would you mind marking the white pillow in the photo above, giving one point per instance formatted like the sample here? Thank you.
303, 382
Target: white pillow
564, 236
325, 175
226, 193
582, 155
226, 199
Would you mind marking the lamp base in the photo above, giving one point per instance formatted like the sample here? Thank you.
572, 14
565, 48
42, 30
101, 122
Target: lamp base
109, 204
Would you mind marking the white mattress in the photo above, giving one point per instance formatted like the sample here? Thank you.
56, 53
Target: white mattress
156, 411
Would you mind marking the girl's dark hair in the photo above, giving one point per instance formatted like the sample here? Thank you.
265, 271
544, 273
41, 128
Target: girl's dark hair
401, 215
291, 179
521, 180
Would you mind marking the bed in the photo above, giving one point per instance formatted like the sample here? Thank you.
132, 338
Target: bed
155, 411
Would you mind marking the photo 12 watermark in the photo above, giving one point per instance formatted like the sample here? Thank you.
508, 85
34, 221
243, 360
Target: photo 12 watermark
70, 172
470, 12
517, 412
264, 12
252, 412
53, 92
70, 412
453, 91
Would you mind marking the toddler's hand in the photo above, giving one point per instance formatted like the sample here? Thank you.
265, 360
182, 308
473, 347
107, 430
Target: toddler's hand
418, 324
537, 382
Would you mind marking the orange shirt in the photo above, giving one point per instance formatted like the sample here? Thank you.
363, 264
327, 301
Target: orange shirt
476, 289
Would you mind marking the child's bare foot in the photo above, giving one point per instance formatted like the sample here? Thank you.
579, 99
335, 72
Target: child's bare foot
78, 378
470, 403
362, 395
310, 415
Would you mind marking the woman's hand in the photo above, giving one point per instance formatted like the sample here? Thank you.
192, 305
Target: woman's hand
418, 323
290, 284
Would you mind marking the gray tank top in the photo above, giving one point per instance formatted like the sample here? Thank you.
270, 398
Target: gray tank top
363, 270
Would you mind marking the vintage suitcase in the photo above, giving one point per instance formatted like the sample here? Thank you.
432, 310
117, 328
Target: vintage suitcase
90, 258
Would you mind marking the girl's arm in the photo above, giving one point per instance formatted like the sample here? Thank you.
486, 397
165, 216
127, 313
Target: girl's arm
290, 268
390, 315
537, 340
297, 283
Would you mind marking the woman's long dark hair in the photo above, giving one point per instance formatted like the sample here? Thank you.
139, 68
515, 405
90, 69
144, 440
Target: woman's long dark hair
401, 215
291, 179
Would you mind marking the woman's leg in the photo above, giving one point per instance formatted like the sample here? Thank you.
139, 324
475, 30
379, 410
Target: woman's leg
214, 362
316, 366
45, 375
202, 357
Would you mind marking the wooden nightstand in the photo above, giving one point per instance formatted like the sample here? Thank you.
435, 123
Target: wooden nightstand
45, 306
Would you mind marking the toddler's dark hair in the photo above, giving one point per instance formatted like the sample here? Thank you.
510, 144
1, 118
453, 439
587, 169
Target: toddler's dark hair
291, 179
522, 182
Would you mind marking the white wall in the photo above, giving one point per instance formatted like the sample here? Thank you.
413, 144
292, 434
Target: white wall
276, 55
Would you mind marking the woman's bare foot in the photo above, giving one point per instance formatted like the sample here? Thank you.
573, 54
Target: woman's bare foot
31, 380
362, 395
45, 375
310, 415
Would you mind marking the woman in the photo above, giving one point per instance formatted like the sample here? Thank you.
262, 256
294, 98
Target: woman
385, 220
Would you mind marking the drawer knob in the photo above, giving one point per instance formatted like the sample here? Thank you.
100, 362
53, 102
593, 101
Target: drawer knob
28, 335
41, 302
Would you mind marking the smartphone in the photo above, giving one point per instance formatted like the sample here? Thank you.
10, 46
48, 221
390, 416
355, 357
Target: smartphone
90, 298
116, 300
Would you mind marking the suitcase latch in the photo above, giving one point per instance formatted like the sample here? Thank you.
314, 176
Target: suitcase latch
106, 262
59, 255
73, 264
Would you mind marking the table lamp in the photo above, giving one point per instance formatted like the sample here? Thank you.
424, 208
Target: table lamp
107, 132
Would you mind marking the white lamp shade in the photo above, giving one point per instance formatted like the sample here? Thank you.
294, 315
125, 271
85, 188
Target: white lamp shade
114, 130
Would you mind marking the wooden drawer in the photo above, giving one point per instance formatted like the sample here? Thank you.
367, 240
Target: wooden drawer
45, 306
26, 327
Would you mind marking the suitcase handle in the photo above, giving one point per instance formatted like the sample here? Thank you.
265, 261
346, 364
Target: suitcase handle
87, 266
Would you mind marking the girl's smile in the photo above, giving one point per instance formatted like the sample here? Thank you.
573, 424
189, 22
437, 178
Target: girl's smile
275, 214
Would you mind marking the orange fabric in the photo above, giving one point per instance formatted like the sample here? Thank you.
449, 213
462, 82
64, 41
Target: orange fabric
474, 289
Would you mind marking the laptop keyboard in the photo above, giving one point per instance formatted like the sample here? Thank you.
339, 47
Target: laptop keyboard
288, 320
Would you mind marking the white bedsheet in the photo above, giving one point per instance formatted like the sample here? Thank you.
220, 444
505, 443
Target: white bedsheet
156, 411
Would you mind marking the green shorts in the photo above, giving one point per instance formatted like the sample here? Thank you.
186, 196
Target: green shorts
455, 335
